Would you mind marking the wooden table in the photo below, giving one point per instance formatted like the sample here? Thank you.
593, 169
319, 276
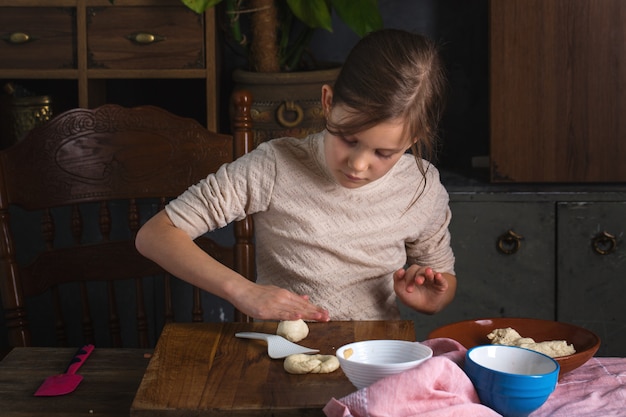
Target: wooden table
111, 379
202, 369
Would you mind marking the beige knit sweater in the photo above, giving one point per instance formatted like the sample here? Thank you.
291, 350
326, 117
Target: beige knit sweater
339, 246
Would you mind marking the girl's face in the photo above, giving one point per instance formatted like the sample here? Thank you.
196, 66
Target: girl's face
366, 156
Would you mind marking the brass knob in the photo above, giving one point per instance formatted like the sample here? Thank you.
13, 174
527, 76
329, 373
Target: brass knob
604, 243
289, 107
509, 243
17, 38
145, 38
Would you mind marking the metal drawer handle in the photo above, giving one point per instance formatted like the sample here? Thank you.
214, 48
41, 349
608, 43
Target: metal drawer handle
509, 243
290, 107
18, 38
145, 38
604, 243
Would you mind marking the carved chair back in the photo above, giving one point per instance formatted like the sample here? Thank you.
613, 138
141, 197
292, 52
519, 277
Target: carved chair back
73, 194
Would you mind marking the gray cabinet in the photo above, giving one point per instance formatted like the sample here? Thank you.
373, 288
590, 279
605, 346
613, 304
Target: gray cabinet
505, 259
591, 270
504, 263
541, 253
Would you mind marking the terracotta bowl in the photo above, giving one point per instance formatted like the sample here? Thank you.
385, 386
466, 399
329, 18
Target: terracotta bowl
472, 333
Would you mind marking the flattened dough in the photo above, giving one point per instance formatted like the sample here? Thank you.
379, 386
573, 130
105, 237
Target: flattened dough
510, 337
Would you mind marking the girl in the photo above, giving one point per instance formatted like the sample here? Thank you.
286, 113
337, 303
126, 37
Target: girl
345, 220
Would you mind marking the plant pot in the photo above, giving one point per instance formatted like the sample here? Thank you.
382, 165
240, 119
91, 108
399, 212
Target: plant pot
285, 103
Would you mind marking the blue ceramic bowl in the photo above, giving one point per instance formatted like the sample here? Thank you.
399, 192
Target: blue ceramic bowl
510, 380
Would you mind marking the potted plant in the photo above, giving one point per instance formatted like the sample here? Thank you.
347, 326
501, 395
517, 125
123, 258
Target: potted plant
280, 30
274, 35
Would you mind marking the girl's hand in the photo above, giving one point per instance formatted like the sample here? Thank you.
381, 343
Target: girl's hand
268, 302
423, 289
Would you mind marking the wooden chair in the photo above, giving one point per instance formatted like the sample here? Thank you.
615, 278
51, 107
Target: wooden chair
120, 166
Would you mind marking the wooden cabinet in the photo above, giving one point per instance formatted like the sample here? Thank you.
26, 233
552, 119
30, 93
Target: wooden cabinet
84, 53
547, 253
133, 38
556, 102
29, 44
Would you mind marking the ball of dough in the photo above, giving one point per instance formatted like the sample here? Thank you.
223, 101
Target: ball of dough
310, 364
293, 330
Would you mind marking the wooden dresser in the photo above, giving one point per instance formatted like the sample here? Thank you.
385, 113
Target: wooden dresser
557, 103
82, 51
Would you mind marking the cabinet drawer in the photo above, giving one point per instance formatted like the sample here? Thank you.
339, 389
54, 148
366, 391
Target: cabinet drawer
592, 270
37, 38
499, 276
145, 38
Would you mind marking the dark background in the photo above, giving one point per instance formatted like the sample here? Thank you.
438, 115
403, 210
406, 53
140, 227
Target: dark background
461, 29
459, 26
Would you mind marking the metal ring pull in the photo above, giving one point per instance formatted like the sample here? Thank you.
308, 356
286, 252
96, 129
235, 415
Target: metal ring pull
604, 243
145, 38
509, 243
18, 38
289, 107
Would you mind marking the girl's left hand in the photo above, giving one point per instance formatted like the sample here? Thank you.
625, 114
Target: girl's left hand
423, 289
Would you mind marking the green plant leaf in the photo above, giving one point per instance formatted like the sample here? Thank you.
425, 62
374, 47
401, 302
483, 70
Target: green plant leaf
200, 6
362, 16
313, 13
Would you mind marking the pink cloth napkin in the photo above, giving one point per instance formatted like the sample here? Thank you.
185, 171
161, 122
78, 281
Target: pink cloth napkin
440, 388
598, 388
436, 388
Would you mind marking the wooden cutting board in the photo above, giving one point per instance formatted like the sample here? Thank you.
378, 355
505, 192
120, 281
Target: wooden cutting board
202, 369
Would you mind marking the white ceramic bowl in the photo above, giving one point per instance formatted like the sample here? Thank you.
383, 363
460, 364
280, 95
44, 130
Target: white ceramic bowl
368, 361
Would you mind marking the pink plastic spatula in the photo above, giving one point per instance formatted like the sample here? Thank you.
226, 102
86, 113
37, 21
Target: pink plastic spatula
67, 382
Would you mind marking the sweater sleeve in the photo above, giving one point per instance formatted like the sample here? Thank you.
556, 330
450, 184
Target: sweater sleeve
433, 246
236, 190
